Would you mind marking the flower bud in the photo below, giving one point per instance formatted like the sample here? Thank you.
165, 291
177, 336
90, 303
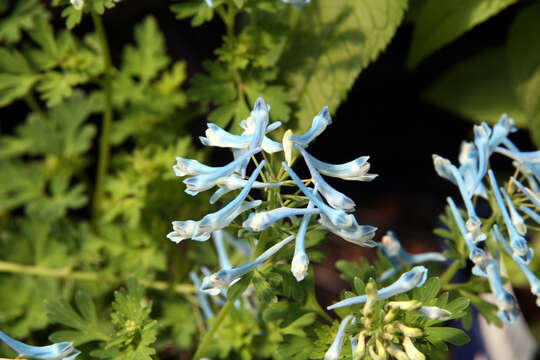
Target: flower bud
411, 350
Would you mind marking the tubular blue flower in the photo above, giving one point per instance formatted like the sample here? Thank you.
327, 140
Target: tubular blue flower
517, 242
56, 351
416, 277
434, 313
508, 310
185, 167
481, 140
356, 169
297, 3
357, 234
531, 277
526, 168
201, 230
501, 130
223, 278
198, 183
216, 136
468, 167
235, 182
319, 124
445, 169
517, 220
335, 349
476, 254
335, 198
262, 220
533, 215
300, 261
337, 217
528, 192
201, 296
531, 157
391, 248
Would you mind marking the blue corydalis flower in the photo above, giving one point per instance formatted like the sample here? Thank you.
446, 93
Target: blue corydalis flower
526, 168
481, 140
262, 220
335, 349
222, 279
185, 167
335, 198
468, 168
517, 242
198, 183
223, 258
201, 230
297, 3
416, 277
336, 216
357, 234
57, 351
501, 130
528, 192
534, 282
216, 136
508, 310
300, 261
533, 215
235, 182
516, 218
319, 124
391, 248
356, 169
201, 296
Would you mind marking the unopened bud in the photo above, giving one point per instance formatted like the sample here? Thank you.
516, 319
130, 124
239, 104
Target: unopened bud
410, 331
411, 350
405, 305
360, 346
397, 353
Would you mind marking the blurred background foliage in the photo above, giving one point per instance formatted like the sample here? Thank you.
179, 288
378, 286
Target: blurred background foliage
89, 132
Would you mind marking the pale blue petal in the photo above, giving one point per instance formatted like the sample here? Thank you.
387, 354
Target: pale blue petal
501, 130
235, 182
319, 124
223, 278
531, 213
185, 167
517, 220
531, 195
54, 351
335, 349
416, 277
201, 296
334, 198
224, 261
481, 140
262, 220
356, 169
508, 310
300, 261
336, 216
357, 234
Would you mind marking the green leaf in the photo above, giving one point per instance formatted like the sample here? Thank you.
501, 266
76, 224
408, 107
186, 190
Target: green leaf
451, 335
84, 321
523, 54
264, 290
22, 17
479, 88
442, 21
199, 10
73, 16
16, 76
237, 289
330, 43
147, 58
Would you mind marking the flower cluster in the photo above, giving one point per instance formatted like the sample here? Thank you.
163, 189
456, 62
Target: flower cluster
379, 328
332, 207
57, 351
474, 163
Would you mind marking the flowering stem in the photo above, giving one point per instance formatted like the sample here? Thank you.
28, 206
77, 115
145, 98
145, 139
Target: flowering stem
450, 272
216, 323
104, 143
67, 273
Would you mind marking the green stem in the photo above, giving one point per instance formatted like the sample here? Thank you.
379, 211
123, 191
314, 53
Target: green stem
68, 273
104, 142
450, 272
212, 331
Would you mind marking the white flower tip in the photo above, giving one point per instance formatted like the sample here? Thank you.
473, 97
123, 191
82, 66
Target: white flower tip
299, 266
331, 354
77, 4
288, 146
434, 313
391, 243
